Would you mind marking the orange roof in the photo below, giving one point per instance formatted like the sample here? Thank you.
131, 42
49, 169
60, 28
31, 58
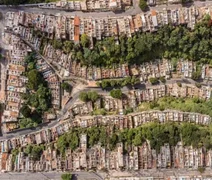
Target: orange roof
4, 160
13, 114
137, 21
76, 33
154, 13
132, 27
16, 67
12, 77
13, 104
76, 21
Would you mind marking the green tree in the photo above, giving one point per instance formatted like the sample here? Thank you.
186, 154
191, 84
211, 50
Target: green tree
73, 140
198, 85
113, 140
83, 96
62, 144
27, 123
201, 169
66, 176
66, 86
57, 44
179, 84
134, 80
84, 40
1, 16
68, 46
34, 79
196, 75
43, 95
28, 149
162, 79
36, 152
93, 96
143, 5
25, 111
153, 80
116, 93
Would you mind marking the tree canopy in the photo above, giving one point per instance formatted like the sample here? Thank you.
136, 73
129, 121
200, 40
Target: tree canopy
25, 111
143, 5
170, 41
37, 100
116, 93
34, 79
89, 96
66, 176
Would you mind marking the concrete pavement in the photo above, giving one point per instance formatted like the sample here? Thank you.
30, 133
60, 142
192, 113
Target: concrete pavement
132, 11
48, 175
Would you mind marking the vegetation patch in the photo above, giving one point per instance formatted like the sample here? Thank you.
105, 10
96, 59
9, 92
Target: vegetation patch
37, 100
157, 134
183, 104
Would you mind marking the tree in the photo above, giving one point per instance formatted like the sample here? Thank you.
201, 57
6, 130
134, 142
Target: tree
196, 75
93, 136
162, 79
62, 144
143, 5
66, 86
201, 169
1, 57
36, 152
57, 44
34, 79
113, 140
84, 40
27, 123
25, 111
93, 96
73, 140
66, 176
104, 84
28, 149
67, 46
179, 84
1, 16
134, 80
153, 80
83, 96
116, 93
101, 111
198, 85
43, 96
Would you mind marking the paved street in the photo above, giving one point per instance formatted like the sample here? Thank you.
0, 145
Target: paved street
48, 176
132, 11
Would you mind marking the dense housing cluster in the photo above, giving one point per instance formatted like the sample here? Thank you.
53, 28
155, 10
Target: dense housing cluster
16, 83
130, 130
71, 28
88, 5
133, 98
65, 62
84, 157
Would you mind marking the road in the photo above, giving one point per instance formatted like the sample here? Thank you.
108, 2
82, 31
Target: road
48, 175
75, 96
132, 11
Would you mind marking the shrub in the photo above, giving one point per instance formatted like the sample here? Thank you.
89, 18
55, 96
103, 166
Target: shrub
153, 80
116, 93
